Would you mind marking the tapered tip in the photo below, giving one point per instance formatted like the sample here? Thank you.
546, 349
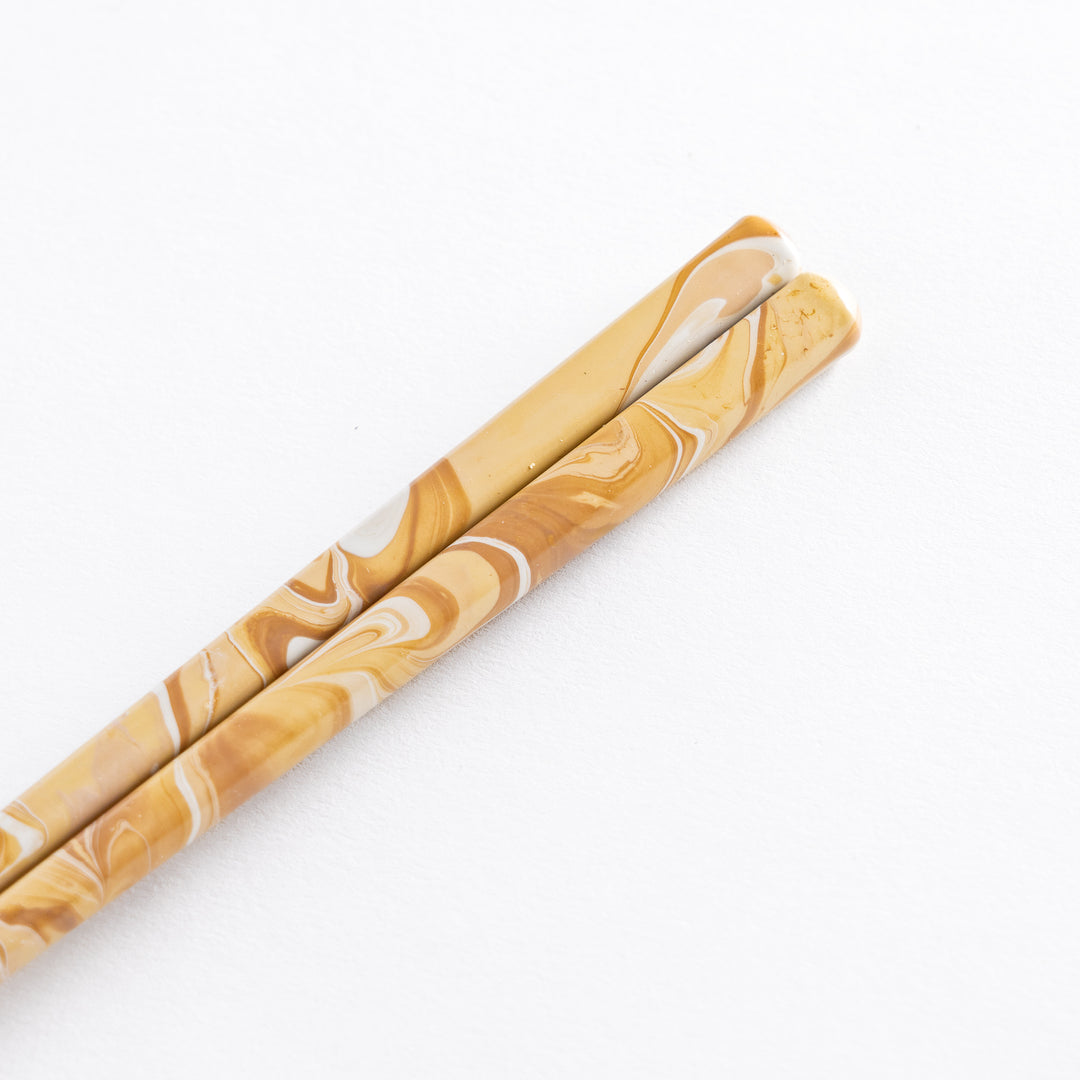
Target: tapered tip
847, 298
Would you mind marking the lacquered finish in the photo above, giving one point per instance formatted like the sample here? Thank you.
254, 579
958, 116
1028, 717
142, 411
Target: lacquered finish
697, 303
629, 461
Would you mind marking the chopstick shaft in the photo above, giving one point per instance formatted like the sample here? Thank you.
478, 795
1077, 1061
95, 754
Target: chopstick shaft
692, 307
625, 464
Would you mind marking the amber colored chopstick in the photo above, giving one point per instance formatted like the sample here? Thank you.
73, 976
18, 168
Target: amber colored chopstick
630, 460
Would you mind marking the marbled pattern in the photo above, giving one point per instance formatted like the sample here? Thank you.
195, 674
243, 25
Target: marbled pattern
629, 461
713, 290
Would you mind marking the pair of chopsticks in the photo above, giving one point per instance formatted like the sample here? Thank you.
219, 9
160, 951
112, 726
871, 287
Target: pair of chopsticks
701, 357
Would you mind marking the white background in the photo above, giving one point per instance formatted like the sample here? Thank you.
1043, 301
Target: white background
781, 779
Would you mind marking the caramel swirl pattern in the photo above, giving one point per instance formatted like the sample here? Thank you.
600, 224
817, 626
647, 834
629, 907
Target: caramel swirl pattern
712, 291
629, 461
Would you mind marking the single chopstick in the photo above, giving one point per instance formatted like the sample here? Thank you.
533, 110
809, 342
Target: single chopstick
615, 472
692, 307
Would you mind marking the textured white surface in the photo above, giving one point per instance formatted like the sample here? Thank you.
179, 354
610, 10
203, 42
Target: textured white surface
781, 778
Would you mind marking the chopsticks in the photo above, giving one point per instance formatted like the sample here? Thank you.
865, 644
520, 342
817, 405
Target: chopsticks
614, 472
694, 306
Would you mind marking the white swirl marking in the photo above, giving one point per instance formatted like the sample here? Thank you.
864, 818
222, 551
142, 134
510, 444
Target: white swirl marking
298, 648
184, 787
167, 715
372, 535
211, 687
523, 568
29, 838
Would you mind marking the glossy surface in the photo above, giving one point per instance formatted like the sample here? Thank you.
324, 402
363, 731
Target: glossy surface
692, 307
596, 486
